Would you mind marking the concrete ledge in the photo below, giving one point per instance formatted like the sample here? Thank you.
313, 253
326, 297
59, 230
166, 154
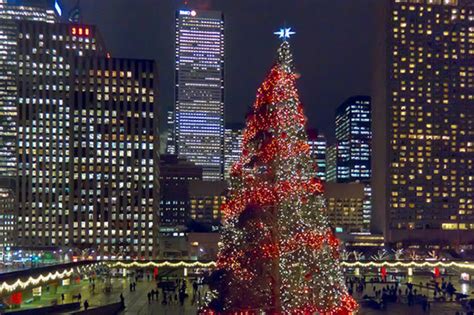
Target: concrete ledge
106, 309
49, 309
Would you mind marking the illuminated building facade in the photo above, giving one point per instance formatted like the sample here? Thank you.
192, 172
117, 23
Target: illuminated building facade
232, 146
10, 13
331, 163
428, 104
7, 218
354, 146
354, 136
199, 99
345, 206
170, 139
115, 181
175, 177
206, 200
317, 143
87, 136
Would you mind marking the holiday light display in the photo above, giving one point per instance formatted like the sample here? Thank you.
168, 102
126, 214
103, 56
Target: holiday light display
170, 264
278, 253
34, 281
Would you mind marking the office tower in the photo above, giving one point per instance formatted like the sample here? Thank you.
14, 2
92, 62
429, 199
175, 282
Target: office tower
353, 137
317, 144
199, 104
354, 146
345, 206
424, 98
331, 163
10, 13
206, 200
232, 146
115, 164
170, 139
87, 140
175, 177
7, 218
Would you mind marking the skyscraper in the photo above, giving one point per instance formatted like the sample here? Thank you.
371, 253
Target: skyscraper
331, 163
10, 13
317, 144
199, 104
170, 139
424, 159
354, 147
353, 137
87, 143
232, 146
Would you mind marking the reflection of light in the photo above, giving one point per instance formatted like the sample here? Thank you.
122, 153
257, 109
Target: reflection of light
464, 288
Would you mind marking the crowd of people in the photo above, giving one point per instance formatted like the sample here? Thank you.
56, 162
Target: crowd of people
379, 292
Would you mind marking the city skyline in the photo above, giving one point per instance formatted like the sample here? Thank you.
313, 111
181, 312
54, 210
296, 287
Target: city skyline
237, 156
249, 42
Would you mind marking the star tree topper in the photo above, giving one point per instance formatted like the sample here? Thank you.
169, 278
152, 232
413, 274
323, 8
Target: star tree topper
284, 33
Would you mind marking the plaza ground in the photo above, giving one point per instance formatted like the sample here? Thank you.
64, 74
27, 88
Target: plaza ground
137, 301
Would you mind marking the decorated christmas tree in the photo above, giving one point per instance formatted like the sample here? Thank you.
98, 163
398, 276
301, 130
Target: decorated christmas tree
278, 253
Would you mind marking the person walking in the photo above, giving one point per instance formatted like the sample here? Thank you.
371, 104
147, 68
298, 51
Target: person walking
122, 300
62, 298
86, 305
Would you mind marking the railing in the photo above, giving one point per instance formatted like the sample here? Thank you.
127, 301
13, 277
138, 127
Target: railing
19, 280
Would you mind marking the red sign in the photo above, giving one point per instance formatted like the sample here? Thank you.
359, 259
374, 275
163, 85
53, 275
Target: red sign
16, 298
84, 31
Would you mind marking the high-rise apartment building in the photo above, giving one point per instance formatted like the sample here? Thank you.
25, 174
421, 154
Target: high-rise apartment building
232, 146
424, 160
318, 145
87, 143
199, 103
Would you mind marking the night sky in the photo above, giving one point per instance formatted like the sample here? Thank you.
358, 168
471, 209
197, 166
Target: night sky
332, 47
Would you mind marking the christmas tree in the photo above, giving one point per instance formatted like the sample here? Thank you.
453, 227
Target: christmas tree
278, 253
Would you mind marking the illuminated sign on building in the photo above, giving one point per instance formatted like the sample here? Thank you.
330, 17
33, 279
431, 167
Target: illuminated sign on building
187, 12
80, 31
58, 8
